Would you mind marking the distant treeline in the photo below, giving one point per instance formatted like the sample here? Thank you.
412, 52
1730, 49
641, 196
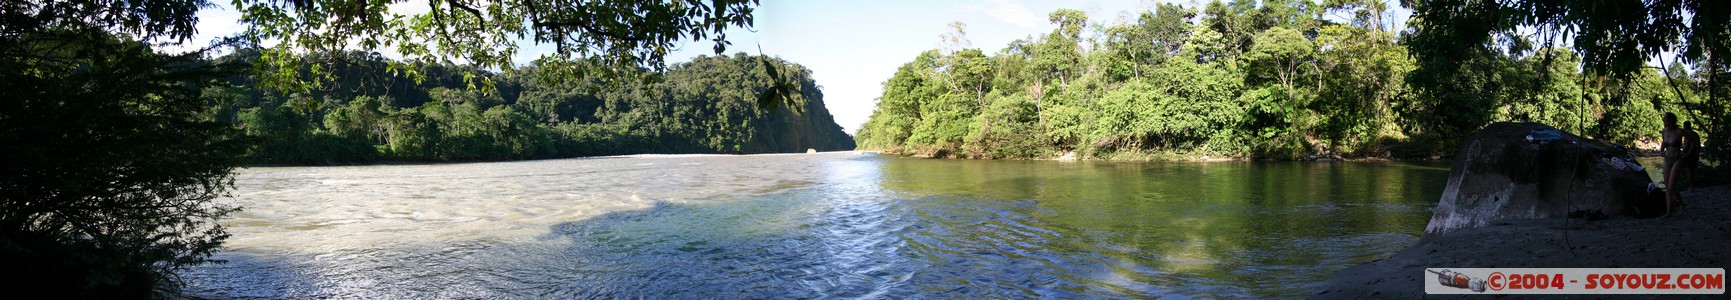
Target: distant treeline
370, 110
1278, 80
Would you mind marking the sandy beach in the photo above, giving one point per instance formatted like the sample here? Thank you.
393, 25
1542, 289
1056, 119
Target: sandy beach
1698, 238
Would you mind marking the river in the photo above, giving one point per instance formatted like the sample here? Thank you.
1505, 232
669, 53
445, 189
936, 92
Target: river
824, 225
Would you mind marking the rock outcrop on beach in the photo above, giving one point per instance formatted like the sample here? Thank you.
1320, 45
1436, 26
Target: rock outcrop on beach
1526, 195
1512, 171
1697, 238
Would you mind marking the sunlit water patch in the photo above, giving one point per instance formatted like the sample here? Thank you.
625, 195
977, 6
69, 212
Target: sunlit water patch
830, 225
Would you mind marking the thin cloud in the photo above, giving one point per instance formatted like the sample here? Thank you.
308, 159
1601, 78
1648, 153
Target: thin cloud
1008, 12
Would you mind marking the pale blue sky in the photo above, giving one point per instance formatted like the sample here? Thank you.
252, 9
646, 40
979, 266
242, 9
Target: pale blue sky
852, 47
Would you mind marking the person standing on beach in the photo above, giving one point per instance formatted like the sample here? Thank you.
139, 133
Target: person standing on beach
1691, 157
1671, 146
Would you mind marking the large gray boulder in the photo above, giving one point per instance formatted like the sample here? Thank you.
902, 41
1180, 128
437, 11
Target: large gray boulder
1533, 171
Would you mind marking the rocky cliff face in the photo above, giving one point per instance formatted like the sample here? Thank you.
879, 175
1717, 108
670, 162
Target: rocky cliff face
814, 128
1530, 171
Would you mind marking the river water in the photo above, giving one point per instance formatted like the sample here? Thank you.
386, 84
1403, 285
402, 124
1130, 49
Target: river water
828, 225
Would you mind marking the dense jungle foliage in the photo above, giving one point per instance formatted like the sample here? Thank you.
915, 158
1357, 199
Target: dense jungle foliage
707, 105
108, 171
1268, 80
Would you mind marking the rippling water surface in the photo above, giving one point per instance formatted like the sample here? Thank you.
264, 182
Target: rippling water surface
812, 226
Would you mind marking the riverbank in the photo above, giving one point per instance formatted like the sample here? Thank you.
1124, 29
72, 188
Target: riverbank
453, 162
1698, 238
1144, 156
1193, 157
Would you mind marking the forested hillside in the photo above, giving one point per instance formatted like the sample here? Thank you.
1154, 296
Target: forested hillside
374, 112
1279, 80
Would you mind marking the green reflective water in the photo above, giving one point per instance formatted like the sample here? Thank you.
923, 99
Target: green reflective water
1260, 229
830, 225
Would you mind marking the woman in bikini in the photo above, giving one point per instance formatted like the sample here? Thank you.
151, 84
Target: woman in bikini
1671, 145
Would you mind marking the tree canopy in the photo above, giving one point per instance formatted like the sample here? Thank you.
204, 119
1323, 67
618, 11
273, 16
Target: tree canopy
612, 37
1617, 39
707, 105
1301, 79
109, 172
